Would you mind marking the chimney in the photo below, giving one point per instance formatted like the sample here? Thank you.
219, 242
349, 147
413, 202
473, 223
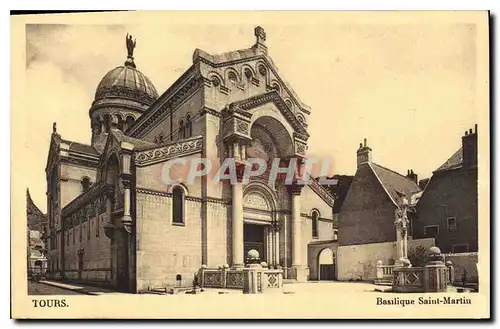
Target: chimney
469, 148
412, 176
364, 153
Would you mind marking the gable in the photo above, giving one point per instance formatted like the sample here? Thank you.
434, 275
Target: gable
274, 98
256, 67
365, 192
395, 184
53, 153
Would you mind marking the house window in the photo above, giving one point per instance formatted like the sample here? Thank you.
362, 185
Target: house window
315, 217
335, 234
431, 231
178, 205
188, 128
452, 224
97, 226
458, 248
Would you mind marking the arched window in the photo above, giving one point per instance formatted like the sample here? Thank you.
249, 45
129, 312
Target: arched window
232, 77
248, 74
188, 128
315, 217
181, 129
85, 183
120, 122
178, 205
129, 122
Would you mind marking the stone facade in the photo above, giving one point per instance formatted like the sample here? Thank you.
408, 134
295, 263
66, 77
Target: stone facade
449, 203
132, 229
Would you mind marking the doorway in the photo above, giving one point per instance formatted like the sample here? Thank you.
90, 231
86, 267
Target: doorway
326, 264
253, 237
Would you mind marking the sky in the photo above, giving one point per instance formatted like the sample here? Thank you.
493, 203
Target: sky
409, 89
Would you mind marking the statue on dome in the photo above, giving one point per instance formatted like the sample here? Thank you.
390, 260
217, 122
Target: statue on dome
130, 45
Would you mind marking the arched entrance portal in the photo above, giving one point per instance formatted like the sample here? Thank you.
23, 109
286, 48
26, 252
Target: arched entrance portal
326, 264
258, 229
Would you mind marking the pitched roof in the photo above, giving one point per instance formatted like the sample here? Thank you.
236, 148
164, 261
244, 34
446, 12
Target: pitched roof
138, 143
82, 148
454, 162
395, 184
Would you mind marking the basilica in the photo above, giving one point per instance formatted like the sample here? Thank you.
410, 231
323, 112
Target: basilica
112, 219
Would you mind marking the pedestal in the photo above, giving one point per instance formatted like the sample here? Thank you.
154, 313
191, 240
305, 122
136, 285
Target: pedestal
301, 273
253, 277
435, 272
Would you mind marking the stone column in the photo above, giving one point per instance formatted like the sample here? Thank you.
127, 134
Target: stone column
237, 223
296, 228
300, 271
269, 251
126, 176
277, 246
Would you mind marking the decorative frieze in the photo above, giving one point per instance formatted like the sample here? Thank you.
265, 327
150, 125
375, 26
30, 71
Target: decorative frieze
160, 154
322, 192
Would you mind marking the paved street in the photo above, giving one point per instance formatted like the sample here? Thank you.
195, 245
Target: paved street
43, 289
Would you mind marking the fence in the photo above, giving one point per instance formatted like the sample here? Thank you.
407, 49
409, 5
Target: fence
384, 274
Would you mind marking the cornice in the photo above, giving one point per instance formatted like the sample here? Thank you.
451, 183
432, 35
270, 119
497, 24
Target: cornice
189, 198
162, 153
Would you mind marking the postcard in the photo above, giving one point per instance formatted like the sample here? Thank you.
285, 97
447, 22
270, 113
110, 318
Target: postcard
250, 165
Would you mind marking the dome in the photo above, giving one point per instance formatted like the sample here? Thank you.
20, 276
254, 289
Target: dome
126, 82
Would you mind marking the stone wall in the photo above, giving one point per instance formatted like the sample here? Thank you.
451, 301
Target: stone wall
450, 194
359, 262
464, 262
96, 248
191, 105
165, 250
71, 181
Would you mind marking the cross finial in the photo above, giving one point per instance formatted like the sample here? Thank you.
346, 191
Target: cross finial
260, 34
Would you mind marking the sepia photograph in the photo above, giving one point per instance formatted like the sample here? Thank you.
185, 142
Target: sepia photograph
175, 163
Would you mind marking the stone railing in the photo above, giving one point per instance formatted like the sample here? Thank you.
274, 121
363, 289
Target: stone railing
261, 278
384, 274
